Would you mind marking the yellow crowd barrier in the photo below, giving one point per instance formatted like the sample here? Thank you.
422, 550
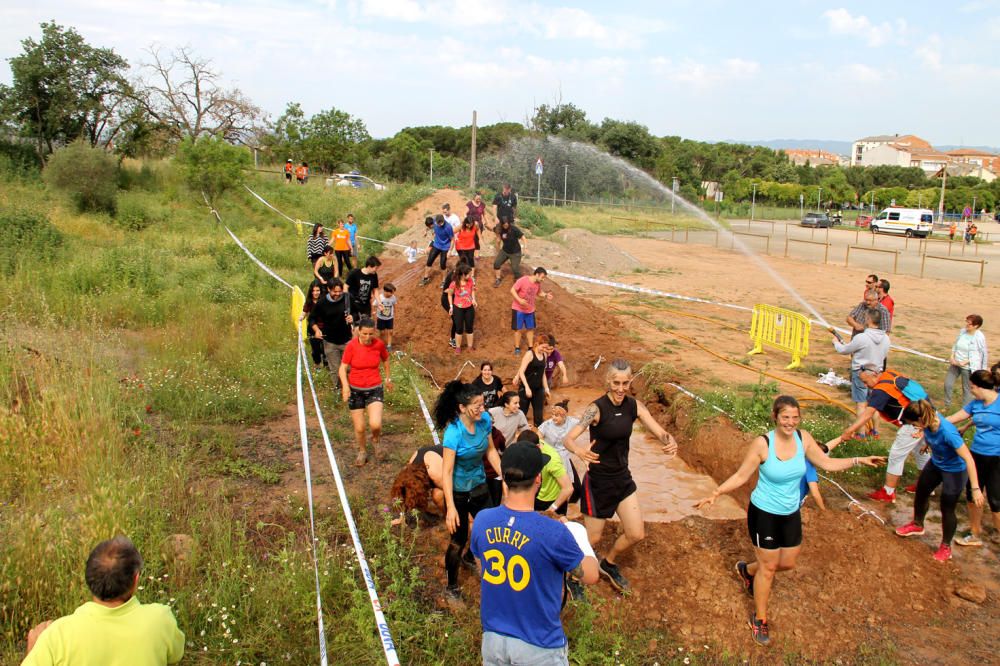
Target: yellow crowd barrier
781, 329
298, 302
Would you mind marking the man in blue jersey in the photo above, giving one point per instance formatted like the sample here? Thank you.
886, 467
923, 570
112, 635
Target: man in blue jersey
440, 245
525, 557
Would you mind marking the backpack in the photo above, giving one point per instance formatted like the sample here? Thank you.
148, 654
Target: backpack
888, 381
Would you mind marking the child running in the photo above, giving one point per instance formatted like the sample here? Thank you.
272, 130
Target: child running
773, 518
385, 313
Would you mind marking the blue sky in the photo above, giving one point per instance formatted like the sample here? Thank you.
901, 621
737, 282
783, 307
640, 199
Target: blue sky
705, 69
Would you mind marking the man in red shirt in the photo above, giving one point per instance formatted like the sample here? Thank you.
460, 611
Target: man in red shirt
885, 299
522, 315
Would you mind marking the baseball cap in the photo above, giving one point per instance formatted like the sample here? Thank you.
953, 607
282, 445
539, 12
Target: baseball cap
522, 460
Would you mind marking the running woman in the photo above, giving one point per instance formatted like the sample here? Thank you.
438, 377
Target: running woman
316, 244
466, 438
462, 306
467, 241
951, 466
508, 423
773, 518
361, 385
533, 382
608, 487
341, 238
487, 385
985, 414
315, 343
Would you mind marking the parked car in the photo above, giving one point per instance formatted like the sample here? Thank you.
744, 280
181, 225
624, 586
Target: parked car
817, 220
353, 179
863, 221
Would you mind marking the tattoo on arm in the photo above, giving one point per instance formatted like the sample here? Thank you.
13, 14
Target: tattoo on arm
589, 415
577, 572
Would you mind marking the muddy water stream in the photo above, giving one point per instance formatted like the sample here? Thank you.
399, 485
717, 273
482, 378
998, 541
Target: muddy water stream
668, 486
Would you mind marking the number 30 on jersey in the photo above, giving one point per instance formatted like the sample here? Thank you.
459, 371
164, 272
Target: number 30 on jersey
499, 570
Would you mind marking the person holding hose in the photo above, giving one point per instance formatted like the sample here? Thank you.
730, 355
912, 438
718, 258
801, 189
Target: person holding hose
773, 518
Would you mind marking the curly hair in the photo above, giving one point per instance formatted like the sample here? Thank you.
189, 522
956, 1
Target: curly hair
412, 487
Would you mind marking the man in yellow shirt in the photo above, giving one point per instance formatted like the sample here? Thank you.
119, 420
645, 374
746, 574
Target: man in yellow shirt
114, 629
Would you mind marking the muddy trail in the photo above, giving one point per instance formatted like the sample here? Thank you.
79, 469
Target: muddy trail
859, 594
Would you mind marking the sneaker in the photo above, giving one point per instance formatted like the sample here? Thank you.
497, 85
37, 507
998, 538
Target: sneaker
497, 282
452, 343
943, 553
969, 539
745, 578
611, 572
575, 589
361, 459
881, 496
453, 596
910, 529
759, 629
872, 434
469, 560
517, 351
912, 488
458, 350
424, 281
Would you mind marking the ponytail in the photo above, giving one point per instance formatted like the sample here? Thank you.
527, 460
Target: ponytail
985, 379
920, 413
453, 394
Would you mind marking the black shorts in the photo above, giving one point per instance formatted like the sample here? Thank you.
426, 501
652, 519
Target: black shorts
359, 310
383, 324
433, 253
988, 470
468, 256
464, 319
602, 494
770, 531
361, 398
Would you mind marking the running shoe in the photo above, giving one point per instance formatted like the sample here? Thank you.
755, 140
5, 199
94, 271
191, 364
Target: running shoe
496, 283
912, 488
453, 594
745, 578
759, 629
517, 351
452, 343
873, 434
458, 350
969, 539
575, 589
424, 281
910, 529
611, 572
943, 553
881, 496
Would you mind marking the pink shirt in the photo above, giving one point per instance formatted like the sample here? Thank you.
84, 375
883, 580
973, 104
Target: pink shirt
527, 289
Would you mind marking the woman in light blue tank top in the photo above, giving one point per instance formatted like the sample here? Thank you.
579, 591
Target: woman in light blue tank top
773, 518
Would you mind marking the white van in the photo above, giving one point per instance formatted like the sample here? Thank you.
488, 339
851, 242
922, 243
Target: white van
907, 222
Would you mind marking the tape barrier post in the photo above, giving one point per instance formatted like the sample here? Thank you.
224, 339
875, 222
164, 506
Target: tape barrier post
300, 403
781, 329
388, 646
298, 304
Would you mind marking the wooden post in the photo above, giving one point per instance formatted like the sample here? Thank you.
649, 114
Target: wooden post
472, 160
786, 247
826, 253
923, 260
982, 269
847, 257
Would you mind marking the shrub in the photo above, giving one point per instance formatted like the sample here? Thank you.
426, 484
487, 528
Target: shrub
28, 235
211, 165
135, 214
531, 217
89, 175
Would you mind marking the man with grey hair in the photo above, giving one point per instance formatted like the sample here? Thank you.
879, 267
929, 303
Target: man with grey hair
856, 319
868, 347
113, 628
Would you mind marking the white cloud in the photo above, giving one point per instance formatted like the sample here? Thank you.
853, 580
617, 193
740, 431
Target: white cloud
863, 73
929, 52
993, 28
398, 10
703, 76
842, 22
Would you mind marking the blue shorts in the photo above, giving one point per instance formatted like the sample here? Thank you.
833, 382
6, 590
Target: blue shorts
859, 392
521, 320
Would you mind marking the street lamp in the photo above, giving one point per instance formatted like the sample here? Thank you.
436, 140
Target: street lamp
753, 202
565, 181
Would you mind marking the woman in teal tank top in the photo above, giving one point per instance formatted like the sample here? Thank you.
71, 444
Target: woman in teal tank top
773, 518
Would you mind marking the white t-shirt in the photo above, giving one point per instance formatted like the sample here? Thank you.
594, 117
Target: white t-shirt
411, 255
385, 307
454, 221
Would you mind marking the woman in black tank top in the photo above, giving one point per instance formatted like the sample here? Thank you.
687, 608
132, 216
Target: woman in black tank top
608, 487
531, 376
418, 485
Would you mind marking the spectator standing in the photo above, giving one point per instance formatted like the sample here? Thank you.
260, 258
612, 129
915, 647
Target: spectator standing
968, 354
302, 173
871, 282
112, 628
289, 170
522, 316
856, 319
867, 348
352, 228
885, 299
520, 604
505, 205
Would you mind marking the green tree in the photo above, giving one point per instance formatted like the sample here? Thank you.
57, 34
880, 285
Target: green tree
631, 141
63, 89
211, 165
89, 175
563, 119
402, 158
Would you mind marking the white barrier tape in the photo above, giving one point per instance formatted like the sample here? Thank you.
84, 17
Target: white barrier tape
300, 403
462, 367
388, 646
427, 414
265, 202
853, 502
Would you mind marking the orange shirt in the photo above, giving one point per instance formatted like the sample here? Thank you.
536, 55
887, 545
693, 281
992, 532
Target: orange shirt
288, 167
465, 239
341, 240
301, 172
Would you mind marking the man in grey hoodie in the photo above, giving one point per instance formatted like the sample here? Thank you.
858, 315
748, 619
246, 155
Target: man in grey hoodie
870, 346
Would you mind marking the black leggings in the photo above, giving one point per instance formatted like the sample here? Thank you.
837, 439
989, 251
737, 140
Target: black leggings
468, 256
988, 470
444, 306
536, 402
467, 504
953, 483
462, 320
344, 259
434, 253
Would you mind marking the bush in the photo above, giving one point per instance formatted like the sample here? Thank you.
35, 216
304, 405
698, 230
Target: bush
211, 165
135, 214
28, 235
89, 175
533, 218
18, 159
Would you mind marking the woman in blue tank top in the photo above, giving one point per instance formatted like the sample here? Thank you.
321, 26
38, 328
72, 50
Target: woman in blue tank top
773, 518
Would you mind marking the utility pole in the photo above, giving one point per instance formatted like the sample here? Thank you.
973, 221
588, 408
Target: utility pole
753, 202
944, 179
819, 193
673, 193
472, 162
432, 165
565, 181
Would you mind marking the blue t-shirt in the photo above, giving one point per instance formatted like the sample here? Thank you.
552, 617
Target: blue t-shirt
443, 233
986, 441
778, 481
353, 228
810, 477
943, 444
524, 556
469, 449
